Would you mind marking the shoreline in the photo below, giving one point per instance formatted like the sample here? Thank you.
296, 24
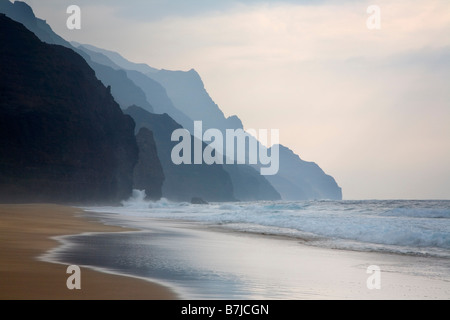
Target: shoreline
209, 263
29, 231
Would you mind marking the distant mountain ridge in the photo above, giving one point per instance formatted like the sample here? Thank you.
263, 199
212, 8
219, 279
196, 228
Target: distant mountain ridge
188, 94
183, 97
155, 93
118, 60
123, 89
22, 12
296, 180
187, 89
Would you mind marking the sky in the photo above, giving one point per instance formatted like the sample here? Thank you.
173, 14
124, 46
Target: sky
370, 106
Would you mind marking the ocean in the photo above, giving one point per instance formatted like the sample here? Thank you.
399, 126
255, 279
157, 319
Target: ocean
414, 227
273, 249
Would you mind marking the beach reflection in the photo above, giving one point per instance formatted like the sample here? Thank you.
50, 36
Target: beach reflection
202, 263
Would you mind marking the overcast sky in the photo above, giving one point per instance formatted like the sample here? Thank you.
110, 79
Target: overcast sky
371, 107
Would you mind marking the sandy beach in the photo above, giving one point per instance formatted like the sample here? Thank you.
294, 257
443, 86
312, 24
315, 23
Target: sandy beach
192, 261
25, 234
203, 262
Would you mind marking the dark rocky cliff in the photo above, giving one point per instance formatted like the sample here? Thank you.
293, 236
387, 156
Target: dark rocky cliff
63, 138
184, 181
148, 172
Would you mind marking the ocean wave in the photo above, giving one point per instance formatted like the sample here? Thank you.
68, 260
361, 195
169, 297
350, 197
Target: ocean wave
371, 224
418, 213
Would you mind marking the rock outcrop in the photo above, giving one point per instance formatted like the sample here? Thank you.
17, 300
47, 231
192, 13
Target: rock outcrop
148, 172
184, 181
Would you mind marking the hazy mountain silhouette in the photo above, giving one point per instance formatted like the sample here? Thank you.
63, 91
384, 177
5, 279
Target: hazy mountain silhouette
157, 96
63, 138
302, 180
182, 182
96, 56
249, 185
22, 12
296, 179
118, 60
110, 74
125, 92
188, 94
182, 95
155, 93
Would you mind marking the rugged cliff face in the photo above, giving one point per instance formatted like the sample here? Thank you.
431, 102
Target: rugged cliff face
296, 179
302, 180
184, 181
63, 138
249, 185
183, 97
188, 94
22, 12
148, 172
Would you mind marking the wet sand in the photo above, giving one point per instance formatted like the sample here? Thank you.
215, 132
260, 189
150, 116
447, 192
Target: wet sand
212, 263
25, 234
196, 262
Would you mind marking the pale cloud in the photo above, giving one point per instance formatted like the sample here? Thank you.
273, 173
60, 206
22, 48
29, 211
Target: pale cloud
294, 33
369, 106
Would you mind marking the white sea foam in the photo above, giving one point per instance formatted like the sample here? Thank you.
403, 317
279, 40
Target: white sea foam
413, 227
